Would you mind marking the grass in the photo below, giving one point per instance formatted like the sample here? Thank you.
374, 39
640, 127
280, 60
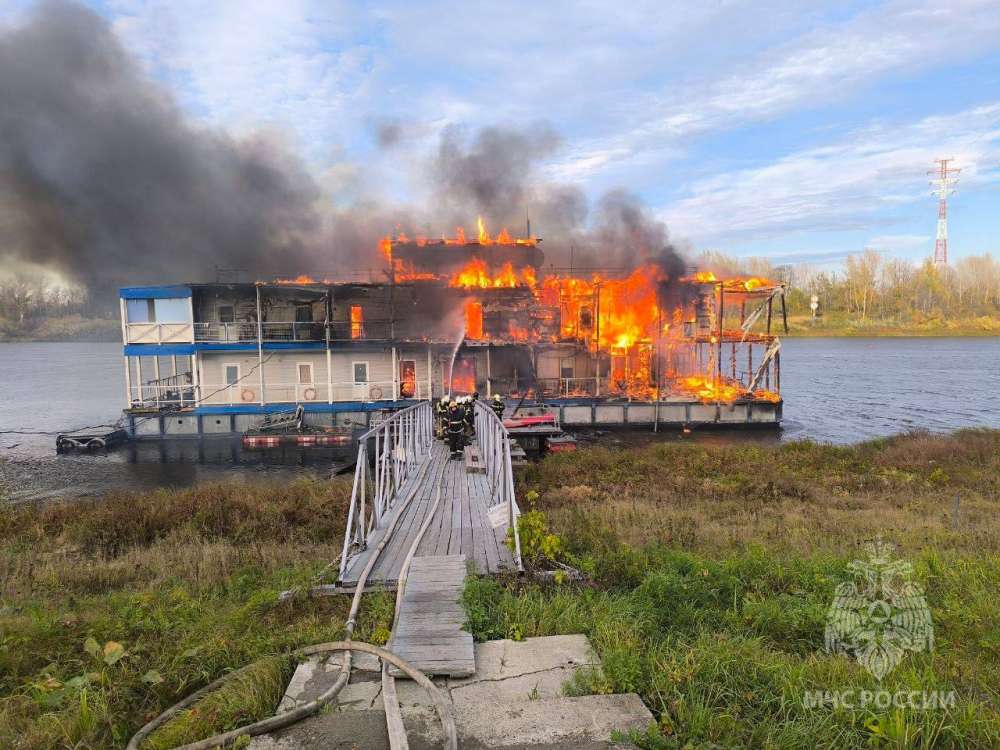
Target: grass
842, 324
187, 582
711, 570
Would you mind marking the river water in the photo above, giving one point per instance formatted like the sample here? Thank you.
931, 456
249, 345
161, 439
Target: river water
839, 390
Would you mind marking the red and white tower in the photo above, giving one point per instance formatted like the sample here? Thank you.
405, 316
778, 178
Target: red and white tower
943, 183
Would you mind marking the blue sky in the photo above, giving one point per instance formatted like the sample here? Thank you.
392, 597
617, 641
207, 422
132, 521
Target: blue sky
800, 131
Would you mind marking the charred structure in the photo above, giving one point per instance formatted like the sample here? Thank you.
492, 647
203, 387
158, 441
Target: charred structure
455, 316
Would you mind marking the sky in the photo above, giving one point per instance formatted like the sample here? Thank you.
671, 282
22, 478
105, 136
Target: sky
799, 131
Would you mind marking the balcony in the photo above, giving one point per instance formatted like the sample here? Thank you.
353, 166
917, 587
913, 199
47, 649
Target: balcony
246, 332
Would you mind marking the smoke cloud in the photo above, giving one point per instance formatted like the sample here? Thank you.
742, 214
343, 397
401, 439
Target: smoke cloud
104, 181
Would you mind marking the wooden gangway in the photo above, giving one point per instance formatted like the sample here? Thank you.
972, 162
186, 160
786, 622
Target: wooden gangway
400, 468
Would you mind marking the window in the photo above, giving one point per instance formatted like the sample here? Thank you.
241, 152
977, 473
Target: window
227, 314
304, 313
567, 372
172, 310
360, 373
357, 322
232, 373
140, 311
305, 373
165, 310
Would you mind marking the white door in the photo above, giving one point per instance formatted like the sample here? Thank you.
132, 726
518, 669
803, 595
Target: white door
231, 373
361, 381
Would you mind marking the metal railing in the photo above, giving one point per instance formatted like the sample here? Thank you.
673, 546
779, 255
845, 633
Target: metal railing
399, 444
494, 449
248, 391
173, 390
337, 330
570, 387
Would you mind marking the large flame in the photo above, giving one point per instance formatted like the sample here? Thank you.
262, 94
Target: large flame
618, 318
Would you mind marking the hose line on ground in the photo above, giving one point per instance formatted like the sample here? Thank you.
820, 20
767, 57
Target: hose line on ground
273, 723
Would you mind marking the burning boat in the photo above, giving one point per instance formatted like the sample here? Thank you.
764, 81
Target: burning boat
454, 315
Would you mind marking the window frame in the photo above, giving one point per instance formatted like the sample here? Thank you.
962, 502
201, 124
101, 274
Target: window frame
218, 312
298, 373
354, 372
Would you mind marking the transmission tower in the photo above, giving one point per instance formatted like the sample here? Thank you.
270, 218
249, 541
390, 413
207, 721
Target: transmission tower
943, 183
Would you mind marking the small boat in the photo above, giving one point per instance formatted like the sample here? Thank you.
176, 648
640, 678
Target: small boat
290, 431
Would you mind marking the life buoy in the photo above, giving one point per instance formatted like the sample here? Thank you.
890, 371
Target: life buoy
248, 395
309, 394
375, 393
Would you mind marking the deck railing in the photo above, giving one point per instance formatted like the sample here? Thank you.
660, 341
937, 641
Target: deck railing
247, 391
494, 449
246, 331
398, 444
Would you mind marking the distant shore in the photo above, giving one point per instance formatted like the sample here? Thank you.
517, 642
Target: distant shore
61, 329
836, 327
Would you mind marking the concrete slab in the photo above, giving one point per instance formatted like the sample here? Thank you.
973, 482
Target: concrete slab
514, 700
542, 722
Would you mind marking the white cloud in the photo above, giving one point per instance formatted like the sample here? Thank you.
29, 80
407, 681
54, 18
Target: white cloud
816, 67
293, 64
849, 184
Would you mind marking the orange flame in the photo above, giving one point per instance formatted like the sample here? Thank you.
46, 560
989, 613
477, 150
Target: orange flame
474, 320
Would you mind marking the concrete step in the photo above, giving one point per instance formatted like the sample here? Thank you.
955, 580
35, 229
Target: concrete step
514, 700
582, 723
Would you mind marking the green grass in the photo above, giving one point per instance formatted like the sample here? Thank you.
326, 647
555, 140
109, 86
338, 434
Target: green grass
187, 582
842, 324
712, 571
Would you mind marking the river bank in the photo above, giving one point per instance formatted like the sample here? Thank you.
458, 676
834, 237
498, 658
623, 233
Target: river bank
710, 572
64, 328
841, 326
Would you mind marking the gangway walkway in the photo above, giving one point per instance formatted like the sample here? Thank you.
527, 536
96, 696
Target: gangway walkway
393, 497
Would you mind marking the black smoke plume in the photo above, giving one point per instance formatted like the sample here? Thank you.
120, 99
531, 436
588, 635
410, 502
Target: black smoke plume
102, 179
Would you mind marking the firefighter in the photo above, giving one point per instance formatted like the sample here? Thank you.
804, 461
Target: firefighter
497, 406
441, 413
456, 429
470, 414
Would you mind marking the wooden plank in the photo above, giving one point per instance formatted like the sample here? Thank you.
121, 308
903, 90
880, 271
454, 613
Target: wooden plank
455, 544
428, 630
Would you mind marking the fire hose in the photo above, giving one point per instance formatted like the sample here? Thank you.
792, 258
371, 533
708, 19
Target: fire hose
288, 718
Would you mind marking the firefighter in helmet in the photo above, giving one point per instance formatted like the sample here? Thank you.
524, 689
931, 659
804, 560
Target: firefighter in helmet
497, 405
470, 414
441, 414
456, 429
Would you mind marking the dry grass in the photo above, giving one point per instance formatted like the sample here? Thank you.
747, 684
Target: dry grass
186, 581
799, 497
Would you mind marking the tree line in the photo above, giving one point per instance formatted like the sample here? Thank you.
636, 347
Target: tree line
874, 289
